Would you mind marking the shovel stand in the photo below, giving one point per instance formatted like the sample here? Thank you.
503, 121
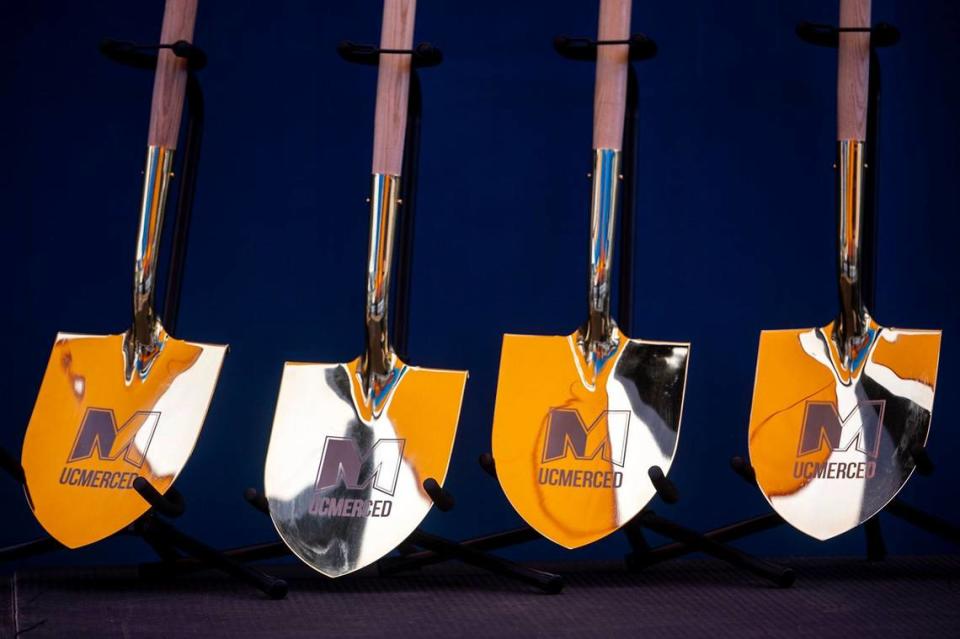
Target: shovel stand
641, 555
423, 55
152, 527
882, 35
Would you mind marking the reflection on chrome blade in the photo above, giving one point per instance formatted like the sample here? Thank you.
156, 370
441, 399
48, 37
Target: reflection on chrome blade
830, 446
573, 453
344, 481
93, 431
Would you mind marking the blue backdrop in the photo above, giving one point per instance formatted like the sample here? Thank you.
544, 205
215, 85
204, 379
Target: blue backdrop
736, 146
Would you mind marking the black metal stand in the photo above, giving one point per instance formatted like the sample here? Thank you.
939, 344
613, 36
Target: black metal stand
167, 541
424, 55
882, 35
642, 555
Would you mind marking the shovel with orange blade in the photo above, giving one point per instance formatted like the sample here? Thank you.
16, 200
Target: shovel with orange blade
112, 408
837, 409
581, 418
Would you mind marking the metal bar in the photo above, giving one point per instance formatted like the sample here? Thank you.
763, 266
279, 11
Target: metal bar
185, 195
30, 549
11, 465
487, 543
931, 523
408, 193
724, 534
271, 586
548, 582
628, 208
779, 575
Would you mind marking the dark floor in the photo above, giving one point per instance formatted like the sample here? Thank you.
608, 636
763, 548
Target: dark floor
901, 597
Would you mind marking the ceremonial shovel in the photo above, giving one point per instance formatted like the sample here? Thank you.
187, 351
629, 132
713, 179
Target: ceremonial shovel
352, 443
837, 409
115, 407
580, 419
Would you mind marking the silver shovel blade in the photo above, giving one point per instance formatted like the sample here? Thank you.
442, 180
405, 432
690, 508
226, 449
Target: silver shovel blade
344, 475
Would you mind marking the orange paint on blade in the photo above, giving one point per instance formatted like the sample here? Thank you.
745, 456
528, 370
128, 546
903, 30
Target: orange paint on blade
79, 472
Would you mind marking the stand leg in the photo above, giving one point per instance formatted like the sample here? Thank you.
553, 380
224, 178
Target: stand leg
876, 548
30, 549
271, 586
167, 553
545, 581
487, 543
782, 577
9, 464
720, 535
638, 546
244, 554
931, 523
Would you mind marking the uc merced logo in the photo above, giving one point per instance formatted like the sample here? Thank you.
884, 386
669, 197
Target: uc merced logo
100, 438
569, 439
858, 432
361, 474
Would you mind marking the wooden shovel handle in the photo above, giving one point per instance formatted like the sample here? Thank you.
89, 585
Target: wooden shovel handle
610, 94
853, 71
170, 81
393, 86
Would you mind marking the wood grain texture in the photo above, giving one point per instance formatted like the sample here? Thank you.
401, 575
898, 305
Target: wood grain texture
610, 93
170, 81
853, 71
393, 86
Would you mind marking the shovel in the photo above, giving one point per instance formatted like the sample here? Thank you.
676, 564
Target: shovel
837, 409
112, 408
352, 443
581, 418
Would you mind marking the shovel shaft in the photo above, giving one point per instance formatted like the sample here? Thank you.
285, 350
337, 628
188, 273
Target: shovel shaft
610, 93
853, 73
603, 212
384, 197
853, 70
170, 81
393, 86
853, 319
169, 89
390, 125
609, 108
146, 330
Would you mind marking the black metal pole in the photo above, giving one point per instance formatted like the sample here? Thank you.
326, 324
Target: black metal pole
782, 577
628, 207
548, 582
196, 112
407, 212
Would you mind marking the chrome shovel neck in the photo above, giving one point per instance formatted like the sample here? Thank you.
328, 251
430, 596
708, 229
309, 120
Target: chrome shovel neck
377, 365
598, 337
145, 338
853, 334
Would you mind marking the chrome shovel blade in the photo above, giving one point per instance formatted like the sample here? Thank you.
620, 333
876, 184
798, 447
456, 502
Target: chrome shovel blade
344, 474
830, 445
573, 446
93, 431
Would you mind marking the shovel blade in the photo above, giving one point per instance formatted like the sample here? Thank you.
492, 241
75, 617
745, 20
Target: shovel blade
344, 477
572, 453
830, 448
92, 432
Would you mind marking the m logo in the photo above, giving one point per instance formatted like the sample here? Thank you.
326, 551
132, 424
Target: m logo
822, 425
342, 460
567, 434
99, 433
